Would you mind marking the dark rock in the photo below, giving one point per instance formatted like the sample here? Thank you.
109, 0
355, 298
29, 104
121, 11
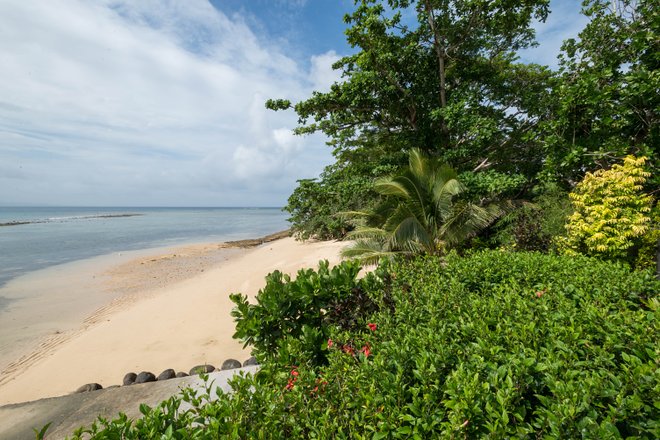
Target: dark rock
201, 369
112, 386
250, 361
181, 374
145, 376
230, 364
89, 387
129, 379
167, 374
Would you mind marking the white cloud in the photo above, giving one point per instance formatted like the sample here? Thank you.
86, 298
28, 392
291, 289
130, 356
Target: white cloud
564, 22
147, 103
321, 74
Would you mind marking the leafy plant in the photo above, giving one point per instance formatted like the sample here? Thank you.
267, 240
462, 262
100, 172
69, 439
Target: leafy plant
493, 345
421, 212
297, 315
612, 213
534, 225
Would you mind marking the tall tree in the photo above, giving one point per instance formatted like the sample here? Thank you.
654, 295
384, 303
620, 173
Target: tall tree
438, 75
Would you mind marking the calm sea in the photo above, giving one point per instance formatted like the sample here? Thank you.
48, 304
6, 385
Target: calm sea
35, 238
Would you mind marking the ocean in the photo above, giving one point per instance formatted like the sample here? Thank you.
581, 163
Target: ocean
37, 238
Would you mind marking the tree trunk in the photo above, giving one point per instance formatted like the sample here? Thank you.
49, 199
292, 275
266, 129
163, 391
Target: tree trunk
440, 53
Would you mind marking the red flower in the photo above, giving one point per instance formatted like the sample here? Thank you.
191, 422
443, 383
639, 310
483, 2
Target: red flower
366, 350
330, 343
289, 385
294, 373
372, 326
348, 349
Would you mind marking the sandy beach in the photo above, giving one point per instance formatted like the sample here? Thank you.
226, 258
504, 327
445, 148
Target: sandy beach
151, 312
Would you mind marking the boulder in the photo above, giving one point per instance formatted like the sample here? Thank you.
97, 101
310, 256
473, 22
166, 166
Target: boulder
250, 361
129, 379
206, 368
167, 374
230, 364
181, 374
89, 387
145, 376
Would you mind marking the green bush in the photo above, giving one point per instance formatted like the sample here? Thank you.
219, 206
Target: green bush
534, 226
296, 316
493, 345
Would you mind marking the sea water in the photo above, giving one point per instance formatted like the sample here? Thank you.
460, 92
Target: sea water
36, 238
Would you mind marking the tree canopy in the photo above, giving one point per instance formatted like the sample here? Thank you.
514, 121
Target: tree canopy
607, 91
443, 76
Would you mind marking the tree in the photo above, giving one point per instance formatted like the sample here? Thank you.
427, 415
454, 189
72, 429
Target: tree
608, 91
421, 212
314, 203
612, 214
446, 82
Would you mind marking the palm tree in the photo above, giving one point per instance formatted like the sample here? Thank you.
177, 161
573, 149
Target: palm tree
421, 213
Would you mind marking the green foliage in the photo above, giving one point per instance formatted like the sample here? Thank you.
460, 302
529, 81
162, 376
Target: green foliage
534, 226
422, 212
611, 212
446, 82
314, 203
606, 97
494, 345
294, 316
491, 185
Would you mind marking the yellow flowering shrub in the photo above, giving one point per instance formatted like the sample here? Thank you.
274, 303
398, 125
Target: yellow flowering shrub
611, 212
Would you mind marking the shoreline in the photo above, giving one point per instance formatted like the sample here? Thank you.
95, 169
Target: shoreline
29, 321
187, 285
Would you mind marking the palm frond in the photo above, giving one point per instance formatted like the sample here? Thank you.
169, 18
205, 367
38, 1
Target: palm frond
348, 215
410, 235
418, 163
367, 251
365, 232
390, 187
467, 220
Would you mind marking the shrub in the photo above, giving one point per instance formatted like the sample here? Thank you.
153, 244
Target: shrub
297, 316
611, 212
493, 345
535, 226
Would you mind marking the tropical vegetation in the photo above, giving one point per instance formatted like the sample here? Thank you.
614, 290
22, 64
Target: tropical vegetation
492, 345
611, 212
512, 212
421, 211
443, 77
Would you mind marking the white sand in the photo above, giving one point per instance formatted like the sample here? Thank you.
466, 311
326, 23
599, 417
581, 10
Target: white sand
178, 324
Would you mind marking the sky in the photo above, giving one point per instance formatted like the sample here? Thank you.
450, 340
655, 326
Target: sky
161, 102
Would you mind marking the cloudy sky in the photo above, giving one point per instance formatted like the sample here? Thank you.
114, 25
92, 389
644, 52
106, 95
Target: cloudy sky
161, 102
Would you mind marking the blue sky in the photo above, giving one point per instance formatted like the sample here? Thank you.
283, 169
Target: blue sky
160, 102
